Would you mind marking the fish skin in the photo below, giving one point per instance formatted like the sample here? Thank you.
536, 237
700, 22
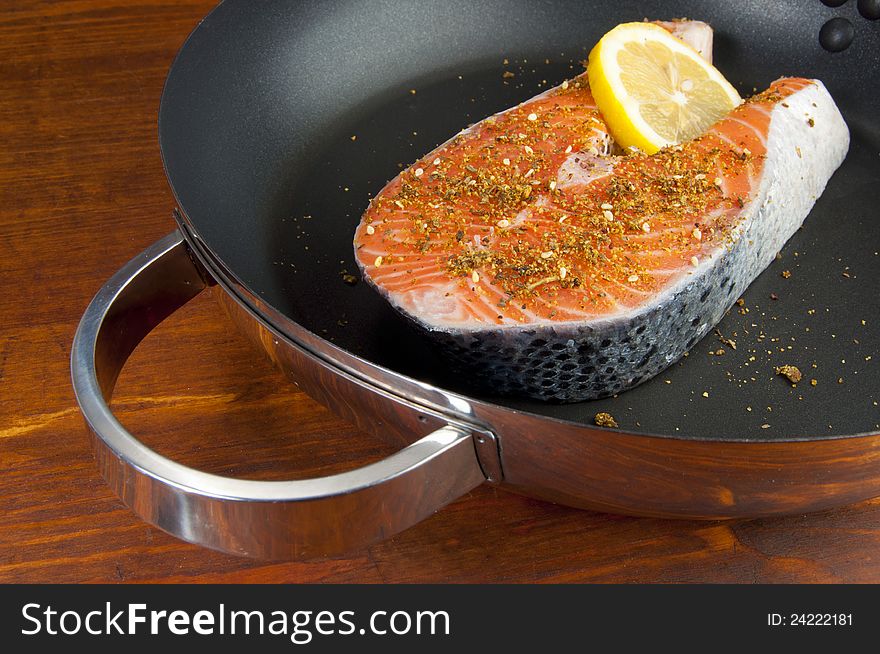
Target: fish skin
578, 360
695, 33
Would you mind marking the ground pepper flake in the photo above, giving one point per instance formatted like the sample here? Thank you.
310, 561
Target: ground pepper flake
348, 278
603, 419
792, 373
727, 341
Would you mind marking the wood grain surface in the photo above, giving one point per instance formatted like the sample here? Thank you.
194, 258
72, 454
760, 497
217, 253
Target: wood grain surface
81, 191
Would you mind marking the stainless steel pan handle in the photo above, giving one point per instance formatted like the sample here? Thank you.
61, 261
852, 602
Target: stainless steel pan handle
266, 519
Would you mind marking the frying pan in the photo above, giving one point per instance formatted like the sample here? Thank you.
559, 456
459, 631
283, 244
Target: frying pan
278, 121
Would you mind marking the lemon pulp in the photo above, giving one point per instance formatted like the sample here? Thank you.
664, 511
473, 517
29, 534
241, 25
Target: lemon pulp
654, 90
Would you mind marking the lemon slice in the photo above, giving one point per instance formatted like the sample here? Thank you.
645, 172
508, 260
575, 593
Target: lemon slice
654, 90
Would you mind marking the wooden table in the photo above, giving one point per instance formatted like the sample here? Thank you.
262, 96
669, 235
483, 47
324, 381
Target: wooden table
81, 191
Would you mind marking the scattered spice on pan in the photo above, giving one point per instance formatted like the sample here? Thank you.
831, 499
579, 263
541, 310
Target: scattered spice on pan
786, 274
604, 419
348, 278
813, 382
792, 373
727, 341
354, 137
773, 296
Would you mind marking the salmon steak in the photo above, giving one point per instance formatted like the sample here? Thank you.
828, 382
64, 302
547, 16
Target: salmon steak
546, 264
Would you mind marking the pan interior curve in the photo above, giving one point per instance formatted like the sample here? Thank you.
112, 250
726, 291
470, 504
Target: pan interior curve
278, 124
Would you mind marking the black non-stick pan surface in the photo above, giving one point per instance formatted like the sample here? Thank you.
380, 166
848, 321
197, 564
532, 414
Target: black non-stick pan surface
280, 119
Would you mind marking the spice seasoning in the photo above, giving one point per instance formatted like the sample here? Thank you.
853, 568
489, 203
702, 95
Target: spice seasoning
792, 373
727, 341
603, 419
